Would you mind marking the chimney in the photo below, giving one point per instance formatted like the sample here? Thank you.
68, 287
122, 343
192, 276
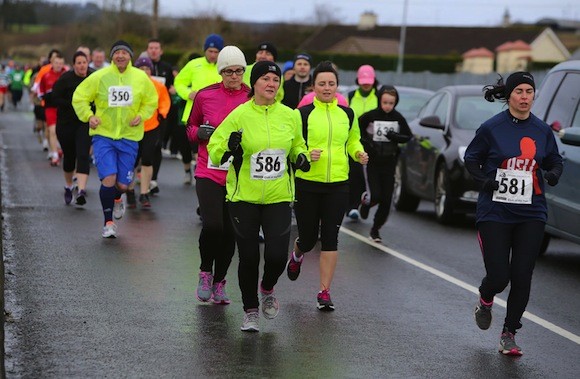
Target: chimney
368, 21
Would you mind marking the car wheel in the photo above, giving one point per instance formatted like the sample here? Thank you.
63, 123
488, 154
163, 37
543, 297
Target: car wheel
545, 243
402, 199
443, 207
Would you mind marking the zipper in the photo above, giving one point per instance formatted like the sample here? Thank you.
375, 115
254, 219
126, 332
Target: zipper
269, 145
329, 144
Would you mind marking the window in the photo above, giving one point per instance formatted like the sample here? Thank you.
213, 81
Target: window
565, 103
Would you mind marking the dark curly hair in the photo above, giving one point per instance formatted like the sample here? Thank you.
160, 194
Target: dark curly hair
492, 92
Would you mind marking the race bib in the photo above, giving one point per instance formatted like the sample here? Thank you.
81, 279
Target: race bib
381, 128
515, 186
223, 167
120, 96
268, 164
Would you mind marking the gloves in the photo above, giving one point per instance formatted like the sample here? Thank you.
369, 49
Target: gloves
391, 135
234, 141
302, 163
552, 178
204, 132
490, 185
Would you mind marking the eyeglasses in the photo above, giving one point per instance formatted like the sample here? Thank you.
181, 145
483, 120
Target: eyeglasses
238, 72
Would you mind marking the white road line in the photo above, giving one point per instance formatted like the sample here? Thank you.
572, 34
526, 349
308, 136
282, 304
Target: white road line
538, 320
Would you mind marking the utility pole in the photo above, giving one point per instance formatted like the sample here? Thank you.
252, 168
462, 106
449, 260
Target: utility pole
155, 20
402, 39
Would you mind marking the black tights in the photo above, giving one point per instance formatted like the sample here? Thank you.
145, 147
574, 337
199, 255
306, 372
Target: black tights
509, 254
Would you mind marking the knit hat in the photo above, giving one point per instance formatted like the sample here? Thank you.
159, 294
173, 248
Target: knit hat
213, 40
365, 75
269, 48
516, 79
289, 65
121, 45
262, 68
230, 56
144, 62
304, 56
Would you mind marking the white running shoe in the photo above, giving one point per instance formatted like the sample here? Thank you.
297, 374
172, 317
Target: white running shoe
110, 230
119, 208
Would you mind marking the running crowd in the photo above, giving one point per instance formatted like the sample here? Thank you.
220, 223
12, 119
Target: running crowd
264, 142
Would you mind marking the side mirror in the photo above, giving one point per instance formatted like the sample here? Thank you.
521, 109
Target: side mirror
570, 136
432, 122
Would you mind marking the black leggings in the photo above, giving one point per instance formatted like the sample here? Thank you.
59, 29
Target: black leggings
76, 145
216, 240
356, 183
381, 178
275, 222
148, 147
509, 254
319, 211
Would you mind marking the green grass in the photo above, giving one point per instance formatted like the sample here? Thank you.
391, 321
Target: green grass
28, 28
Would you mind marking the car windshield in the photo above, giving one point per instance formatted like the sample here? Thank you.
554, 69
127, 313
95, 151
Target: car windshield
410, 103
472, 111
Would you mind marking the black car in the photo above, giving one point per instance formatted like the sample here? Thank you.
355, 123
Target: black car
431, 165
558, 104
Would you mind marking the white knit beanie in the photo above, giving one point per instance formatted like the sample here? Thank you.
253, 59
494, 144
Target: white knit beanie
230, 56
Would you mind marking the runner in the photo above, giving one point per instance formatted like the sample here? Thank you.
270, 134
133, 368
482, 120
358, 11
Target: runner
98, 59
382, 129
263, 137
216, 240
16, 86
73, 134
116, 125
331, 132
45, 94
301, 83
266, 51
4, 82
505, 158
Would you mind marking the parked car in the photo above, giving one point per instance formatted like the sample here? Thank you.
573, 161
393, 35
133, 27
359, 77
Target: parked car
411, 99
431, 165
558, 104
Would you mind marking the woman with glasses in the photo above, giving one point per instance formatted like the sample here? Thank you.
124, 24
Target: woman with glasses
216, 241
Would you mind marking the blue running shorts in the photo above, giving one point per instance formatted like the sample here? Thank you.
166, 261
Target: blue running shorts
115, 157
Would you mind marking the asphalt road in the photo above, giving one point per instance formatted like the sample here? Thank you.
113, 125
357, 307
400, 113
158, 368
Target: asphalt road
80, 306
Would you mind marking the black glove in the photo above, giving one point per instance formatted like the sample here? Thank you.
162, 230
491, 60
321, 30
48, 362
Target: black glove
234, 141
490, 185
391, 135
552, 178
204, 132
302, 163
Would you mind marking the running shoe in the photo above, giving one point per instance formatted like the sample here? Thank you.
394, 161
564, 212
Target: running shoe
81, 198
218, 291
364, 207
144, 200
353, 214
375, 236
251, 318
187, 178
54, 160
293, 267
507, 344
324, 302
204, 286
131, 200
153, 187
270, 305
482, 315
119, 209
68, 195
110, 230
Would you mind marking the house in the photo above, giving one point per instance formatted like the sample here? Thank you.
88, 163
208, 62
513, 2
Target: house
368, 38
478, 61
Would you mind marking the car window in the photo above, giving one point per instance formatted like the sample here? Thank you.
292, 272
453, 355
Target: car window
410, 103
565, 103
544, 94
576, 120
429, 108
443, 109
472, 111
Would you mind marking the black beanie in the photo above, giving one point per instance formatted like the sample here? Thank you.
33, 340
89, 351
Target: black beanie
121, 45
516, 79
269, 48
262, 68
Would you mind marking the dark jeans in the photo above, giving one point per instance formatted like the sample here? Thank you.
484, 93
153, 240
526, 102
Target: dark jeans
216, 240
509, 254
275, 222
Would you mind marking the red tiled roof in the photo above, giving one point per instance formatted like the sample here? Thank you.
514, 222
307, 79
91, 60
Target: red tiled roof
476, 53
513, 45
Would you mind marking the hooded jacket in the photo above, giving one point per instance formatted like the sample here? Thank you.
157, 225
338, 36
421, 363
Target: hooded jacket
115, 120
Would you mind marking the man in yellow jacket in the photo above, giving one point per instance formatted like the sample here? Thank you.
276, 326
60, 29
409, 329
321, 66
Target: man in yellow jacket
124, 97
199, 73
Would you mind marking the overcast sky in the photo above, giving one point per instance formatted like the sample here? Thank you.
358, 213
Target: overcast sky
389, 12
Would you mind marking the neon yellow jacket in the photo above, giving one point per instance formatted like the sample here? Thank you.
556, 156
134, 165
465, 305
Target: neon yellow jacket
115, 121
197, 74
263, 127
361, 105
329, 129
